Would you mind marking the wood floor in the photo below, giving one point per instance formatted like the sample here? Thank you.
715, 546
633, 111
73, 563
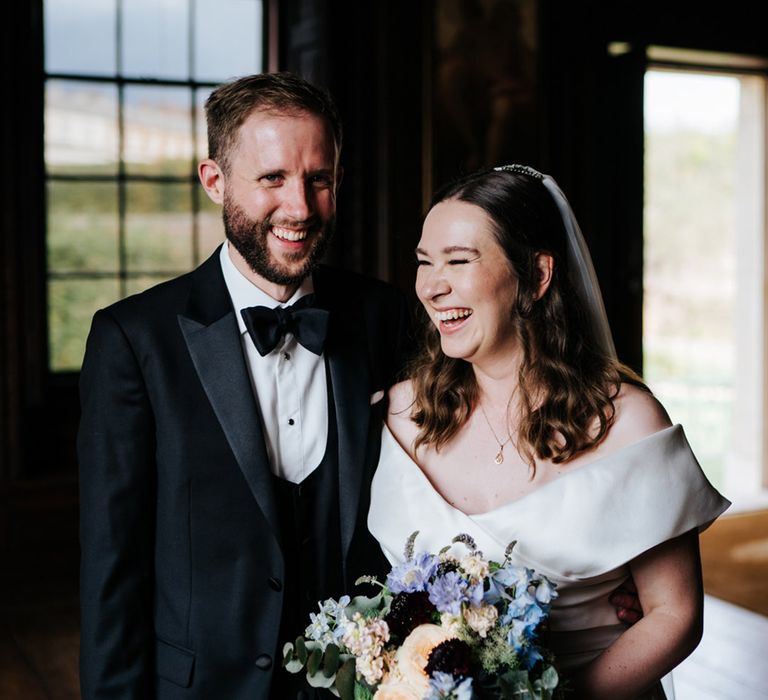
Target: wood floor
39, 639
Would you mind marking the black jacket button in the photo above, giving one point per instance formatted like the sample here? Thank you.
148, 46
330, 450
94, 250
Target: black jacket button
275, 583
264, 662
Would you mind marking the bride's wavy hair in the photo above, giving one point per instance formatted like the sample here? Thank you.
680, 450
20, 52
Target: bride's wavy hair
567, 385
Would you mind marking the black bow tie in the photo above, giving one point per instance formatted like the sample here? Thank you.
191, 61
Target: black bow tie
266, 326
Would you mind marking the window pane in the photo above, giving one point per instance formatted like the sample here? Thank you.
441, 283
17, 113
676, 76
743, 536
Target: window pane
228, 39
156, 39
690, 256
158, 130
81, 135
71, 305
209, 225
80, 36
158, 227
82, 227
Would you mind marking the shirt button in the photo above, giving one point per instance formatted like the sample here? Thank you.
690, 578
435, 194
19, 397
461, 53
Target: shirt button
286, 356
275, 584
263, 662
291, 421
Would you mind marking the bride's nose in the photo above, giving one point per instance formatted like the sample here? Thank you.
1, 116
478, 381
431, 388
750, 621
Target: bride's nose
431, 284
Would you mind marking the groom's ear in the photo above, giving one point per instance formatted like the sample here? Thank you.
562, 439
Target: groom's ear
212, 179
544, 265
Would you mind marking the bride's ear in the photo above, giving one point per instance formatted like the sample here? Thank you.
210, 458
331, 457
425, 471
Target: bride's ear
544, 266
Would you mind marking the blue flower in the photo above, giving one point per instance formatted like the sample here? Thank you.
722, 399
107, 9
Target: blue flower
449, 591
545, 591
444, 686
413, 575
507, 581
521, 638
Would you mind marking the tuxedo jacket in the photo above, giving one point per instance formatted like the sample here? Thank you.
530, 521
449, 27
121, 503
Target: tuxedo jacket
182, 568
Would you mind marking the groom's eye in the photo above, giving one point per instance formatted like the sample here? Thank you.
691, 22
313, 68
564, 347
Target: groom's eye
419, 263
458, 261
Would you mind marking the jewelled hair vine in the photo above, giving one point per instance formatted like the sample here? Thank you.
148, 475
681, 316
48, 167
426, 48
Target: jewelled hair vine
523, 169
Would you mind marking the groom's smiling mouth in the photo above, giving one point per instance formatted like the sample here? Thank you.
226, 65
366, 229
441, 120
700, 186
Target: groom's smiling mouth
288, 234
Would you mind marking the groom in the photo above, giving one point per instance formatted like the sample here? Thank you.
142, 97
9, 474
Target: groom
226, 449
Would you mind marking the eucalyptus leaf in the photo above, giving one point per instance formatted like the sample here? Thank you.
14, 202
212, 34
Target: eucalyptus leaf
345, 680
313, 661
549, 678
331, 660
301, 650
364, 604
319, 680
291, 663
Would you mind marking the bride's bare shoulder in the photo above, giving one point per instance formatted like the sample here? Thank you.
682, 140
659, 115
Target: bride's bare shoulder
638, 415
401, 399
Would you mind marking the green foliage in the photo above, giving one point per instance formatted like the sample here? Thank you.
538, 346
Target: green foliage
515, 685
494, 653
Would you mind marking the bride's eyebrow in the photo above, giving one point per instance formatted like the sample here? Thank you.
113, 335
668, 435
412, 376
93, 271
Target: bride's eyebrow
451, 249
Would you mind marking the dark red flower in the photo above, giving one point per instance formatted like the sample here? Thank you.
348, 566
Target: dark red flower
452, 656
407, 611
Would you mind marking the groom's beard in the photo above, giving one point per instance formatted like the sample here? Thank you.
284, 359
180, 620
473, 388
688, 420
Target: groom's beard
249, 237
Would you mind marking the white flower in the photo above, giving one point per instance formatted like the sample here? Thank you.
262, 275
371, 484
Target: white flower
481, 619
475, 566
371, 669
451, 623
318, 627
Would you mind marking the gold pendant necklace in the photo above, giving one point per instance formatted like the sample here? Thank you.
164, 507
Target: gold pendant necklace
500, 454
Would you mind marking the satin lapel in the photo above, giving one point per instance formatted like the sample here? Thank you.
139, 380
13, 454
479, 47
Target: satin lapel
215, 347
347, 356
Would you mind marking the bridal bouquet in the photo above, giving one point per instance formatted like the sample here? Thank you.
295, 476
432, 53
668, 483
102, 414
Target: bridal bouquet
442, 626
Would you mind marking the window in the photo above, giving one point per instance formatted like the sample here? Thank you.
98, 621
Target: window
704, 304
125, 84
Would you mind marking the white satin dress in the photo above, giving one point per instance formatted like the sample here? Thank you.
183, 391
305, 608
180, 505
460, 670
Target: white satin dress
580, 530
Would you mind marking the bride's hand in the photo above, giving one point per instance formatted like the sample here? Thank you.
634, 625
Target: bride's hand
626, 602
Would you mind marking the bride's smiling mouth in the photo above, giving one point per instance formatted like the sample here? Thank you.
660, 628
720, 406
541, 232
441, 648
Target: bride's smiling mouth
451, 319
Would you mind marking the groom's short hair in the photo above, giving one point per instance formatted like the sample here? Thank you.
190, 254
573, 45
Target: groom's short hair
230, 104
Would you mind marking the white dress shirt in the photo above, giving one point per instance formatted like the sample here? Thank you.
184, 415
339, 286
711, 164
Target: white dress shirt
289, 384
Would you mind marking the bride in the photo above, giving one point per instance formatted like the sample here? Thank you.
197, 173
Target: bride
518, 423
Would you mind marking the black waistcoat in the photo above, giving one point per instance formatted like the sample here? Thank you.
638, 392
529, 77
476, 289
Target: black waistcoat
311, 541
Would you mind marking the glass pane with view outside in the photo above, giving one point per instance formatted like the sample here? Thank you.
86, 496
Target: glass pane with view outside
71, 304
158, 131
81, 134
228, 39
158, 228
82, 227
690, 256
80, 36
155, 40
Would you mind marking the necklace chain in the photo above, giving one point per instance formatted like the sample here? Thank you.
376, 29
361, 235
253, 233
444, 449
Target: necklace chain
500, 454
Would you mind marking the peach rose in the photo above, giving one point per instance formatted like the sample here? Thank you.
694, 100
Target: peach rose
407, 679
396, 691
